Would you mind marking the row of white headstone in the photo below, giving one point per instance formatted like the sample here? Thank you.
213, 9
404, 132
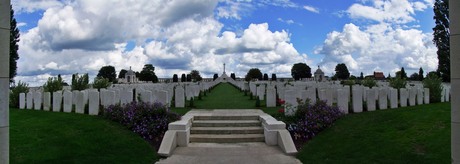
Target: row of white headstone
123, 94
383, 97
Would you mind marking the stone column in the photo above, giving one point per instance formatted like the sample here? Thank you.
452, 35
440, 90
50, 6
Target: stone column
4, 80
454, 14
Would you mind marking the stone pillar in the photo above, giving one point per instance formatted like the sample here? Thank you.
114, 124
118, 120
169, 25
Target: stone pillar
454, 14
46, 101
22, 100
57, 101
357, 92
4, 81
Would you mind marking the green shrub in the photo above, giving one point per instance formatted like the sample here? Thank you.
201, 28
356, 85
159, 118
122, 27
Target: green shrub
80, 82
398, 82
434, 83
369, 82
101, 83
348, 82
53, 84
15, 91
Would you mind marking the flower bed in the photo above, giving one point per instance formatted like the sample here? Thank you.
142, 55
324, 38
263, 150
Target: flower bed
309, 120
148, 120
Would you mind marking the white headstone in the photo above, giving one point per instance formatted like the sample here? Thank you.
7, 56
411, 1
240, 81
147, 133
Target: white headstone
74, 96
261, 92
46, 101
271, 97
342, 100
419, 96
371, 99
80, 105
30, 100
393, 98
93, 107
110, 98
126, 96
443, 95
447, 95
179, 97
146, 96
412, 96
403, 94
311, 94
357, 92
426, 95
68, 101
290, 105
383, 98
162, 97
330, 96
37, 100
57, 101
22, 100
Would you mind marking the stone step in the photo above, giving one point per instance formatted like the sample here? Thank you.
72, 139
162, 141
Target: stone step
227, 117
226, 138
227, 130
225, 123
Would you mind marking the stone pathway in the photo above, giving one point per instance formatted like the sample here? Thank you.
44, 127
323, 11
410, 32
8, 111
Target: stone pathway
232, 153
238, 153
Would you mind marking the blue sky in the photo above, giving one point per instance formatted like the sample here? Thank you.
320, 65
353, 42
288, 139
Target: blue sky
81, 36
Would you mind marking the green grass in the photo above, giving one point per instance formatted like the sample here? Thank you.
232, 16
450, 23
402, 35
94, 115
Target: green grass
419, 134
226, 96
48, 137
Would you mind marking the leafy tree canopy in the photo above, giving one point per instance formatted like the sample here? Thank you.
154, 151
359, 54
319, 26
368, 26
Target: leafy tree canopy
253, 73
300, 70
107, 72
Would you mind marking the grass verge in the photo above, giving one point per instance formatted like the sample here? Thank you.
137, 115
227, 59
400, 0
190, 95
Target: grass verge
48, 137
419, 134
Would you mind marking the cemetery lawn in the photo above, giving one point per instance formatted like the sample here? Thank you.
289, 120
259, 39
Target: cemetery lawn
225, 96
49, 137
419, 134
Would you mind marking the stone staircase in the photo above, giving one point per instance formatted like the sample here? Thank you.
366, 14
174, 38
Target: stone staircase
226, 129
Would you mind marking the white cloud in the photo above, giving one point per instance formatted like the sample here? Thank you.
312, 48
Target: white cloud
30, 6
389, 11
378, 47
21, 24
311, 9
176, 37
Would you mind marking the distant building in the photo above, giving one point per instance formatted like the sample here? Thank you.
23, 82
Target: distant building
379, 76
319, 75
130, 77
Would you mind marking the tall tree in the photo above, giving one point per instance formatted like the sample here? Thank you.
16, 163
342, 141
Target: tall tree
265, 77
273, 77
253, 73
196, 75
300, 70
232, 75
122, 73
403, 73
361, 76
107, 72
14, 39
189, 77
183, 78
341, 71
175, 78
420, 74
215, 76
441, 37
148, 74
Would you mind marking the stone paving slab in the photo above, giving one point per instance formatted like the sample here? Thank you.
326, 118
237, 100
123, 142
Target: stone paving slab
239, 153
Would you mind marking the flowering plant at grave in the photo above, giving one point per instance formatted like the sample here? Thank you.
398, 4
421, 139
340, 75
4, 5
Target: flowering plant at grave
280, 101
148, 120
281, 110
310, 119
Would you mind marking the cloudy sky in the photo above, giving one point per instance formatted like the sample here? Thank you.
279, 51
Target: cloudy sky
176, 36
